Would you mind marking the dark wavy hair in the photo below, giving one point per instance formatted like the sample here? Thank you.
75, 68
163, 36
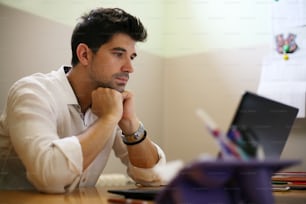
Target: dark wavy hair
99, 25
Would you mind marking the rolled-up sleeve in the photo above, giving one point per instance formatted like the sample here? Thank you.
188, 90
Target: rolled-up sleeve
143, 176
59, 167
71, 148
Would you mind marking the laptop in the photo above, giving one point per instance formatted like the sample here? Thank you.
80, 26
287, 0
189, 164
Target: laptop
269, 120
144, 193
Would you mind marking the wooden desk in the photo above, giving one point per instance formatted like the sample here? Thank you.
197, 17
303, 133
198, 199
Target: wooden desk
92, 195
100, 196
290, 197
86, 195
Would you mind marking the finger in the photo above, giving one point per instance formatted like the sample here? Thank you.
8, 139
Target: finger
127, 94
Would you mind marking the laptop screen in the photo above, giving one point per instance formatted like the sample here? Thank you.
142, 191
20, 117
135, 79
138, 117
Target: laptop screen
269, 120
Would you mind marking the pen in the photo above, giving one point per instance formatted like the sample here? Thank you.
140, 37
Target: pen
126, 201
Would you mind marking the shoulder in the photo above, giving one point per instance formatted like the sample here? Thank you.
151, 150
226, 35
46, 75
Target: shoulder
39, 87
36, 83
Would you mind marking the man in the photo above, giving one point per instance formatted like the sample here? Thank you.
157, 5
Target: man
58, 129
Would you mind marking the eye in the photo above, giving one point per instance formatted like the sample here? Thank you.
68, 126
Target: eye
118, 54
133, 57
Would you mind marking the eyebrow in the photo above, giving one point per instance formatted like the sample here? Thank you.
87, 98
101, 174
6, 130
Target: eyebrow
123, 50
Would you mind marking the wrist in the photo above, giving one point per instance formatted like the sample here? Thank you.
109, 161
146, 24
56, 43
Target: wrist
108, 120
138, 136
129, 127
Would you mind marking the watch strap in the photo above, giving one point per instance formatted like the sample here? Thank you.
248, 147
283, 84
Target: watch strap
136, 137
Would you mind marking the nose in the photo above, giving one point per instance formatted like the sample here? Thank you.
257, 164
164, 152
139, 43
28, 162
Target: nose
128, 66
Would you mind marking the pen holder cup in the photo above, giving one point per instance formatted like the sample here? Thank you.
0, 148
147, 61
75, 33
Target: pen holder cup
223, 181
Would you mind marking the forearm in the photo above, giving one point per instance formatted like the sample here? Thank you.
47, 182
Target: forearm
94, 138
143, 155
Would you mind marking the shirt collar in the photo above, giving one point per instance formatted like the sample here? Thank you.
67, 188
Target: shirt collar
71, 99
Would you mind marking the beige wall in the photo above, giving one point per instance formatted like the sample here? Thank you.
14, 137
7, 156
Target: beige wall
213, 81
168, 88
29, 44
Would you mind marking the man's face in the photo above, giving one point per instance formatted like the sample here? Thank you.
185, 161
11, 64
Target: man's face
111, 65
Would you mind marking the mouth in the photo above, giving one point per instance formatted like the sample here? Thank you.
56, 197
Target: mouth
122, 80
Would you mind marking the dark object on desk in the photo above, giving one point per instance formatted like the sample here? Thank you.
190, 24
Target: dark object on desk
269, 120
223, 181
138, 193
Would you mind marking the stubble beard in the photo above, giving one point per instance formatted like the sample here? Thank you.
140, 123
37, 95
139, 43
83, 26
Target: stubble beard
111, 84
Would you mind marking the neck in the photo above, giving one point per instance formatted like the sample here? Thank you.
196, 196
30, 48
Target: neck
81, 90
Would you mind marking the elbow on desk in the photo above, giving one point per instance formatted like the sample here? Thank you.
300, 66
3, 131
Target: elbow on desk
53, 184
49, 188
53, 175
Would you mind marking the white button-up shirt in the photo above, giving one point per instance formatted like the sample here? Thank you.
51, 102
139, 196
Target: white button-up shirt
38, 142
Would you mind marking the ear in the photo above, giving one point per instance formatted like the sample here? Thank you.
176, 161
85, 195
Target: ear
84, 53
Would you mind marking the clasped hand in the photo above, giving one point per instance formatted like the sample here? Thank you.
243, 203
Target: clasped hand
116, 107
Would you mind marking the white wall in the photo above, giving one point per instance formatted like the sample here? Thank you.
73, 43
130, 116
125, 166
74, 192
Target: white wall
176, 27
202, 26
67, 13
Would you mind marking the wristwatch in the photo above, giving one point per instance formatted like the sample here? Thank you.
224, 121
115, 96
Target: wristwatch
136, 137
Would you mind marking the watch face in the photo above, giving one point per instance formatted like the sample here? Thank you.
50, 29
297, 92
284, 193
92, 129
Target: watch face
140, 131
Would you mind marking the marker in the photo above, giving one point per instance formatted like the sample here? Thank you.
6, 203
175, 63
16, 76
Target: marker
244, 140
228, 149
